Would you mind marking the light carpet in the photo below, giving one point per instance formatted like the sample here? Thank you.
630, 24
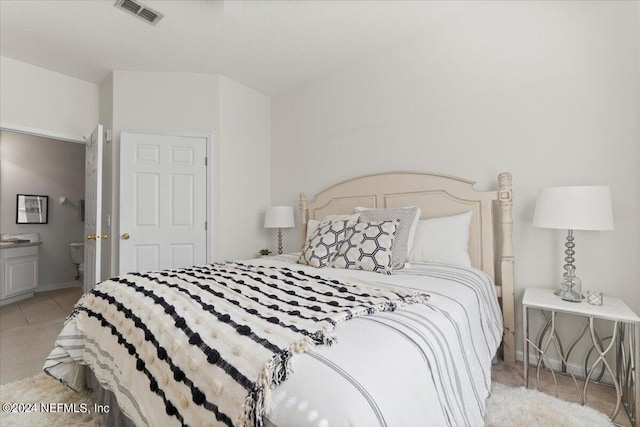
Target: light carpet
507, 407
516, 407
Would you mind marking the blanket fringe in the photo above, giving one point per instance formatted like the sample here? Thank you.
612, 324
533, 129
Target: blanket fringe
417, 299
303, 345
74, 313
260, 401
323, 337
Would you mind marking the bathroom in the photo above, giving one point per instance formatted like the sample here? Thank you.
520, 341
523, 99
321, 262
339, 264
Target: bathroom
34, 165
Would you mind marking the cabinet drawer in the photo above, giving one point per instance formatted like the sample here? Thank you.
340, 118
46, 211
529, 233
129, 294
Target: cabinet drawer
18, 252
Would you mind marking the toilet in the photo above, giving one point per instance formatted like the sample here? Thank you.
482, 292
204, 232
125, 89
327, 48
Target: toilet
77, 257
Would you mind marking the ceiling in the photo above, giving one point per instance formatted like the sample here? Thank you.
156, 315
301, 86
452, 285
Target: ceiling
270, 46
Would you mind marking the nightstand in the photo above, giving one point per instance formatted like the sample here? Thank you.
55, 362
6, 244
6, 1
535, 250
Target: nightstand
625, 340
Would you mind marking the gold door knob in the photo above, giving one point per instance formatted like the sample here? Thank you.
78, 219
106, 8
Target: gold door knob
103, 236
92, 237
125, 236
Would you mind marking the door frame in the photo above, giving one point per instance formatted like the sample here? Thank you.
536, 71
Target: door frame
42, 132
45, 133
212, 181
92, 273
211, 188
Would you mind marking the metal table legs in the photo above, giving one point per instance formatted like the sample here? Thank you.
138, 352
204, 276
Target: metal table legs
625, 339
628, 353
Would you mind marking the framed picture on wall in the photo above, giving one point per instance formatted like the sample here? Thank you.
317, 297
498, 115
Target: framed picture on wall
32, 209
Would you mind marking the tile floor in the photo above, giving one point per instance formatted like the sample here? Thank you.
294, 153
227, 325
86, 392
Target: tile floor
29, 328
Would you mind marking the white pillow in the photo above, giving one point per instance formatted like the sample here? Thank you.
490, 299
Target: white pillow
443, 240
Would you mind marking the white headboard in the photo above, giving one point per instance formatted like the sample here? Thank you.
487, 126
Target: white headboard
490, 234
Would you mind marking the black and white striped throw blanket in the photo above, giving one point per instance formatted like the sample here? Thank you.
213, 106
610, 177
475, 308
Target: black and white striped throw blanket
210, 343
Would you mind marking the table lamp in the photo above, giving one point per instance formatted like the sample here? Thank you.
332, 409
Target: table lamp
279, 217
573, 208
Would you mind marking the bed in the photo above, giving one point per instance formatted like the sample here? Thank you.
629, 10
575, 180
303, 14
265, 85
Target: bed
345, 347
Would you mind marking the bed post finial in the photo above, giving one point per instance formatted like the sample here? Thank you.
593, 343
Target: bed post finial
507, 277
303, 217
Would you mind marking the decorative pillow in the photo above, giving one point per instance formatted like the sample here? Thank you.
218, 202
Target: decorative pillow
367, 246
443, 240
322, 245
408, 216
312, 224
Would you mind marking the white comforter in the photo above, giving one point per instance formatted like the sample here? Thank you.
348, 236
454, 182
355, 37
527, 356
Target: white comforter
422, 365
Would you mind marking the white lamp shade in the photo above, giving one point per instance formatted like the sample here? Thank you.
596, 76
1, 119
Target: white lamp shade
279, 217
574, 208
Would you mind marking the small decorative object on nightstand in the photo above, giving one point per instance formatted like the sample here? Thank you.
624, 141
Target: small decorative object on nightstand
573, 208
264, 252
594, 297
279, 217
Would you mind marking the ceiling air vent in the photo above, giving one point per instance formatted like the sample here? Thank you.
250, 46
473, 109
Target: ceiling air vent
140, 10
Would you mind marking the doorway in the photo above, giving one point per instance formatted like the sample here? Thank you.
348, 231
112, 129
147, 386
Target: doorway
164, 206
40, 165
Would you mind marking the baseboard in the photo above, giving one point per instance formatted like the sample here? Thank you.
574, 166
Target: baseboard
578, 370
54, 286
16, 298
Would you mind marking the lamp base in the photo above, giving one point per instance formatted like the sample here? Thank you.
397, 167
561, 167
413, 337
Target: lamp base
279, 241
571, 296
570, 288
558, 292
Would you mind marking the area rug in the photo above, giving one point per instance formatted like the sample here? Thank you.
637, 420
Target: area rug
518, 406
41, 393
507, 407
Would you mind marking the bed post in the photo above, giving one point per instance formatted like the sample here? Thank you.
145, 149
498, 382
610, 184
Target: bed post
507, 277
303, 217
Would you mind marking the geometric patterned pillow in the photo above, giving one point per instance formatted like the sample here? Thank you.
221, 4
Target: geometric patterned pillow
368, 246
408, 217
321, 247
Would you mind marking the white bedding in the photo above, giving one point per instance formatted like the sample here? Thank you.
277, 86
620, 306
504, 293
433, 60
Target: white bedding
422, 365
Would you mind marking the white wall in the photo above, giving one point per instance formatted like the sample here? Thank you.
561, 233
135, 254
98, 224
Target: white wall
546, 90
35, 165
238, 119
34, 97
157, 102
245, 170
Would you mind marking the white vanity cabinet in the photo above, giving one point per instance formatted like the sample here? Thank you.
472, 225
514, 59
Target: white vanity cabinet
18, 272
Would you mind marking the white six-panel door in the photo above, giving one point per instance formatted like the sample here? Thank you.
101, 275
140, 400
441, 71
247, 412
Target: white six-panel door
163, 202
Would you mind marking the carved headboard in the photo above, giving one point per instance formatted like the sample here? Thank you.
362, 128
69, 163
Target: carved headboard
490, 234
